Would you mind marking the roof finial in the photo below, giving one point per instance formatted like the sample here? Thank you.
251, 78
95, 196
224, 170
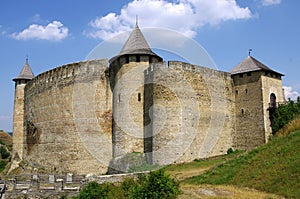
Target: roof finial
26, 59
249, 52
136, 20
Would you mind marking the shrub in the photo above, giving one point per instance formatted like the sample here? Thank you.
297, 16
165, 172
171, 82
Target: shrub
3, 164
93, 190
230, 151
284, 114
4, 153
156, 185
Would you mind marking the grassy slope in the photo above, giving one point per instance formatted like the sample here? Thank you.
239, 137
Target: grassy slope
6, 143
274, 167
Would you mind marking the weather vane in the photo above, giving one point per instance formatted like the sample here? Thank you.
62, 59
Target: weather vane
249, 52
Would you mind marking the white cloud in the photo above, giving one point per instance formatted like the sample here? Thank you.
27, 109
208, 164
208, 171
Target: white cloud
185, 16
54, 31
4, 117
270, 2
290, 93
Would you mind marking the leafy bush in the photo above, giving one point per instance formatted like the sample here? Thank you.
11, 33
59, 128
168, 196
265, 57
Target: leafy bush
93, 190
156, 185
4, 153
284, 114
3, 164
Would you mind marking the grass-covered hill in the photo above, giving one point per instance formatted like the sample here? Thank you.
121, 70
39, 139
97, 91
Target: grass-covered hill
5, 149
273, 168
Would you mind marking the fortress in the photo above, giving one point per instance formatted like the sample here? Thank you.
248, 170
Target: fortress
86, 117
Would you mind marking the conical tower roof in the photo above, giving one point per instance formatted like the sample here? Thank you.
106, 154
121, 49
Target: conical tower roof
135, 44
26, 73
251, 64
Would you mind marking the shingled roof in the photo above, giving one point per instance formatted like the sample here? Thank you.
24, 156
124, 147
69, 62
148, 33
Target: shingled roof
26, 73
251, 64
135, 44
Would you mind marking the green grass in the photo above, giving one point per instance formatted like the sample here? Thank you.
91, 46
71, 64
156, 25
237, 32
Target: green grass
273, 167
203, 163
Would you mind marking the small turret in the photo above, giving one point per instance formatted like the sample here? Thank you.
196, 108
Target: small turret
18, 120
25, 75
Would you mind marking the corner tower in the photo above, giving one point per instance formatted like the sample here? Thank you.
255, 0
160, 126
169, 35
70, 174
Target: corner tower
257, 89
126, 72
18, 119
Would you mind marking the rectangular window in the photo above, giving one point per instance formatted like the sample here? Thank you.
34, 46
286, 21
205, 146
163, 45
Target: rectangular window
139, 97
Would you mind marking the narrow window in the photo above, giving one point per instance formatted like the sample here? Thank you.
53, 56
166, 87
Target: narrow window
242, 111
138, 58
139, 97
236, 92
246, 90
273, 101
119, 98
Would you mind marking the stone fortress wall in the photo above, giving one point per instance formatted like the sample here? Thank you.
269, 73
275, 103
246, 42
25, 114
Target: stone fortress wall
189, 112
182, 112
67, 119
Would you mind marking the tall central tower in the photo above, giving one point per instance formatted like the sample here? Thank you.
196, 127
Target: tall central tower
127, 82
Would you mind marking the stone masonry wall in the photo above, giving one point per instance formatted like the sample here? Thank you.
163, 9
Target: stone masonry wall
68, 117
191, 112
271, 83
18, 128
249, 110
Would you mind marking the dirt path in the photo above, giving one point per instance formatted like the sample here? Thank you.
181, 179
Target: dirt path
214, 191
220, 191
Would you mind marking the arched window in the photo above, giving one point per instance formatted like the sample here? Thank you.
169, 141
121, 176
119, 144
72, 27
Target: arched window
272, 100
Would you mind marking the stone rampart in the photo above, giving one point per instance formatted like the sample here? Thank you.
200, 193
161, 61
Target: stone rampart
67, 119
191, 112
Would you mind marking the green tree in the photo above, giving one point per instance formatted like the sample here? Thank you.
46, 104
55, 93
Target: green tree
284, 114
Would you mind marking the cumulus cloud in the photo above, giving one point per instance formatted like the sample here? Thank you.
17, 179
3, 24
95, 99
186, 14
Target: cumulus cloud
54, 31
290, 93
185, 16
270, 2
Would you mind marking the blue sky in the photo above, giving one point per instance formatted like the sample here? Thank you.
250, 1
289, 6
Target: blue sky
54, 33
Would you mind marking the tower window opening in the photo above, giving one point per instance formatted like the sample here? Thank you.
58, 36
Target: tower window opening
273, 103
138, 58
249, 74
266, 73
246, 90
236, 92
139, 97
241, 75
243, 111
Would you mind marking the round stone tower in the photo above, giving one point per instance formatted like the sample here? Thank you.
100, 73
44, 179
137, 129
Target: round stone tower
127, 82
18, 120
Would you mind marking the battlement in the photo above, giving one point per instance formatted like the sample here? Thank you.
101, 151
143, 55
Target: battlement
183, 66
67, 74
